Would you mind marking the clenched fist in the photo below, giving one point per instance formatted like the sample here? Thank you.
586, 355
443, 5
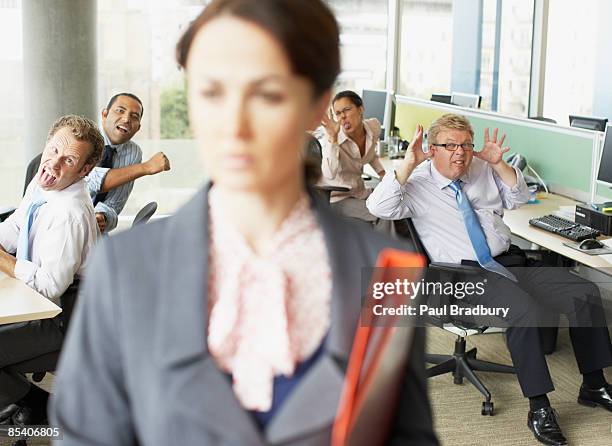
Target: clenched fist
157, 163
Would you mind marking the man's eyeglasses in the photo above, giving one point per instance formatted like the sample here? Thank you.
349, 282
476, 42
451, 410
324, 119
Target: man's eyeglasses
452, 146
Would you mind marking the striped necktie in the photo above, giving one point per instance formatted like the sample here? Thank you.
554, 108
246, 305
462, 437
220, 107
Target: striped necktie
23, 242
476, 234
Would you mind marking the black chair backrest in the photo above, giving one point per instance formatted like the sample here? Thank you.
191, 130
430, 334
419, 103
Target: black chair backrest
314, 151
31, 171
145, 213
434, 275
543, 119
67, 302
418, 245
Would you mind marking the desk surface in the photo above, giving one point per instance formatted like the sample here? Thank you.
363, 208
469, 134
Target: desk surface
19, 302
518, 221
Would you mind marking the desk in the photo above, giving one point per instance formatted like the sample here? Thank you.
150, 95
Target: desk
19, 302
518, 221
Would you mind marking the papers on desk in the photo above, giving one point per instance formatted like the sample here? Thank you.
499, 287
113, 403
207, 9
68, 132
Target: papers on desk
567, 212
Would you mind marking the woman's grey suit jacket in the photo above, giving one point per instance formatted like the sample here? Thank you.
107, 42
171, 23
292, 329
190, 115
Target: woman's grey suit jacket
136, 370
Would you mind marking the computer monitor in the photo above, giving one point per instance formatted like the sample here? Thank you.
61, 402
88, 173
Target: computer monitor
588, 122
468, 100
380, 105
604, 172
443, 98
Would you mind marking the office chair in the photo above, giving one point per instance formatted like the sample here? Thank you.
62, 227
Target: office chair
145, 213
314, 156
6, 211
40, 365
31, 171
462, 363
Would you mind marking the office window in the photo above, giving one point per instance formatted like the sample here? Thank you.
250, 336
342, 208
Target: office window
363, 43
12, 161
512, 83
571, 58
426, 39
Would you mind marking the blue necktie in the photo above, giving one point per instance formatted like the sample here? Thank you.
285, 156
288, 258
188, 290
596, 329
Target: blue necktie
476, 234
23, 242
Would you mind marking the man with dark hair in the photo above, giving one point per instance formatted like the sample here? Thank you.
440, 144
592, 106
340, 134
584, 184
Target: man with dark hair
45, 243
112, 181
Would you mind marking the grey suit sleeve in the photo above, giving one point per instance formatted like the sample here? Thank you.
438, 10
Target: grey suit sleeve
90, 403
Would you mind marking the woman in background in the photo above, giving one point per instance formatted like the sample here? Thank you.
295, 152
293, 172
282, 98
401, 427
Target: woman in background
232, 321
349, 143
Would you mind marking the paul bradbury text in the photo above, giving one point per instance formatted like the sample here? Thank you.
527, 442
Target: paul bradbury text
449, 310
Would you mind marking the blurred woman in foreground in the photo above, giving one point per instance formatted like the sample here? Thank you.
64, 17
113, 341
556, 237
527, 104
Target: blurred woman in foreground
232, 321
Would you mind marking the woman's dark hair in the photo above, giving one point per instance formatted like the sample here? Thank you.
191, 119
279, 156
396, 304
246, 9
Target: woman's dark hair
351, 96
306, 29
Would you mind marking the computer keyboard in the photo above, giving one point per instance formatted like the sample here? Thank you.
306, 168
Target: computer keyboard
565, 228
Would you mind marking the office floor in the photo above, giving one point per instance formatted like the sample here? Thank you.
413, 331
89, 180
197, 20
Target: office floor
456, 409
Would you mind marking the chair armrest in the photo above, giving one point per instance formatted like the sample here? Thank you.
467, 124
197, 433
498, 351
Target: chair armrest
5, 212
331, 188
456, 268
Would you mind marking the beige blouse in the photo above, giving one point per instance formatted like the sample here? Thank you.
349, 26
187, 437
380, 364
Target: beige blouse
267, 313
343, 164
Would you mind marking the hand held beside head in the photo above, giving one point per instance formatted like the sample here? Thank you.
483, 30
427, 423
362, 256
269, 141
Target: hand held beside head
492, 151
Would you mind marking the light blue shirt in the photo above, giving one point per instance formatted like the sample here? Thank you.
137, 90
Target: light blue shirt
433, 208
128, 153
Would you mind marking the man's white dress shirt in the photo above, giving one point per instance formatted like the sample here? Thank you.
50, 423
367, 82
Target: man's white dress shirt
63, 233
432, 206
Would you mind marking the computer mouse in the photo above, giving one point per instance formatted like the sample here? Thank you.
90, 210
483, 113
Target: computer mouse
590, 243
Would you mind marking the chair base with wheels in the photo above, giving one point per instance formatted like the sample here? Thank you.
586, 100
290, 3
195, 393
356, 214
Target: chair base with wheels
463, 364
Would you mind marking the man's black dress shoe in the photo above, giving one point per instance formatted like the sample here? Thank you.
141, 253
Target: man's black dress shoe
7, 412
596, 397
27, 415
543, 424
23, 416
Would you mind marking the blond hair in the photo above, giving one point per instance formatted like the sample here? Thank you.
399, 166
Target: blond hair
449, 121
83, 129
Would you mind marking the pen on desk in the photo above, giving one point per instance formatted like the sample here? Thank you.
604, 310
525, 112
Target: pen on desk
594, 206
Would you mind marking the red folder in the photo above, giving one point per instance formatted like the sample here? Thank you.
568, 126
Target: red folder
377, 364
